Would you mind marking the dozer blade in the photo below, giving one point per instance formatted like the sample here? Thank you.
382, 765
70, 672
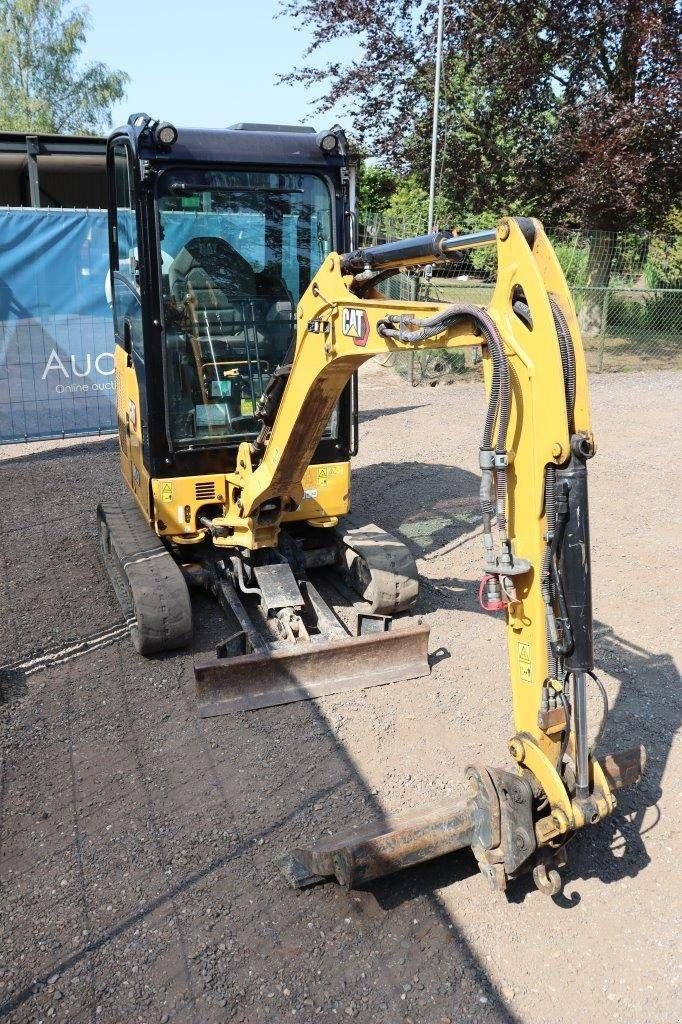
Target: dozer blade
268, 678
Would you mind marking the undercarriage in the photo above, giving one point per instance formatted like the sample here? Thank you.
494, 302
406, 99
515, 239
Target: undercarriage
283, 642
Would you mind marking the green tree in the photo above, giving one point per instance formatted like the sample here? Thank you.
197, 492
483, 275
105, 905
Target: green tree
376, 185
568, 110
43, 85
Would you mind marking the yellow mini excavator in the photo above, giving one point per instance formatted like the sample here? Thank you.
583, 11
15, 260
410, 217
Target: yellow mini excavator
242, 312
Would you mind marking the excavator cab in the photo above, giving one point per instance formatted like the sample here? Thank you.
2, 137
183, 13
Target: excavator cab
213, 240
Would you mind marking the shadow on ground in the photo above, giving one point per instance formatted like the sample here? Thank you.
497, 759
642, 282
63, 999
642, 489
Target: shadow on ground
138, 842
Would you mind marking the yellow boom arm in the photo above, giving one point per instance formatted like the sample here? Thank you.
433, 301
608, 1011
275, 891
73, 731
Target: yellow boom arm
337, 331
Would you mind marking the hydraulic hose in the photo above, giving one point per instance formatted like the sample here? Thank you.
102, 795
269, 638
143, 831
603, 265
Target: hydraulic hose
409, 329
546, 568
605, 711
493, 452
567, 357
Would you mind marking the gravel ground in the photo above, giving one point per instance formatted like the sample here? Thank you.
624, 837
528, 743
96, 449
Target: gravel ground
137, 843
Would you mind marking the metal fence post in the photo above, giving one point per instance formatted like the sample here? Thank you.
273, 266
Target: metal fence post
32, 160
603, 327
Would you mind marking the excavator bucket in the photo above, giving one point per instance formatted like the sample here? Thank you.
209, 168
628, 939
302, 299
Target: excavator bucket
266, 678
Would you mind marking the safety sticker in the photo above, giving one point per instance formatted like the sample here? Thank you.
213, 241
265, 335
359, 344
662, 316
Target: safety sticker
166, 492
325, 473
355, 325
524, 663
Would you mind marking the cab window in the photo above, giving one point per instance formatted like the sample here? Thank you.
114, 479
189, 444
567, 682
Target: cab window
237, 249
125, 233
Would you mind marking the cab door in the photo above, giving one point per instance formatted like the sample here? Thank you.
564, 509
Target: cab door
129, 362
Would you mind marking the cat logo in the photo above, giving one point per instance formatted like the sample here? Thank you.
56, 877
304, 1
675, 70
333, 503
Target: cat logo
355, 325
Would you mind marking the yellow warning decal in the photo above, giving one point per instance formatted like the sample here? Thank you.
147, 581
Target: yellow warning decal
525, 663
166, 492
325, 473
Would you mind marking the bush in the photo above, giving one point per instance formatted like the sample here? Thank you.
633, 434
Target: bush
663, 268
646, 315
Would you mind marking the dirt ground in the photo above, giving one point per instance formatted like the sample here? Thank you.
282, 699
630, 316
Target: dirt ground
137, 843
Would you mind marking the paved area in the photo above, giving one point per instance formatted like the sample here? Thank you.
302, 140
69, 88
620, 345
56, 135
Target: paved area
137, 844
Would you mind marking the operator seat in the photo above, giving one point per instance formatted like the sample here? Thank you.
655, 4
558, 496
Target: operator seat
222, 280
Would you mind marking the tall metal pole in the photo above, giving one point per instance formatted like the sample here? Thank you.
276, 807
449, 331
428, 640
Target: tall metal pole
434, 130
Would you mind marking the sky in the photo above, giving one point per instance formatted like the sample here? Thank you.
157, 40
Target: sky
206, 63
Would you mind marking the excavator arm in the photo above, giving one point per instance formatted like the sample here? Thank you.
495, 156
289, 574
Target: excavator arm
535, 443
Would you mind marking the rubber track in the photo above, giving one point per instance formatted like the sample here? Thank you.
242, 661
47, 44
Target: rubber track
381, 569
147, 581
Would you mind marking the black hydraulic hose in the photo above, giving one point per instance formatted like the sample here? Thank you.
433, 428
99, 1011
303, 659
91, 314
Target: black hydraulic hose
605, 711
493, 405
545, 571
567, 731
566, 646
362, 286
492, 455
409, 329
567, 357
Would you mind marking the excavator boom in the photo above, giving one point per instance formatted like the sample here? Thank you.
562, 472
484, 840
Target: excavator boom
535, 444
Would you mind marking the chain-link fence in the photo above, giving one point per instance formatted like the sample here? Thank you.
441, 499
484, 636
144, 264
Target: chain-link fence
627, 290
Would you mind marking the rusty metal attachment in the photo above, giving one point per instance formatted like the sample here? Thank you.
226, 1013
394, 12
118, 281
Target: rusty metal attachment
624, 768
358, 856
499, 822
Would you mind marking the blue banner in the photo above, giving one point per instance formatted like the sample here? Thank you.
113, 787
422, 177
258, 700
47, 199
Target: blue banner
56, 333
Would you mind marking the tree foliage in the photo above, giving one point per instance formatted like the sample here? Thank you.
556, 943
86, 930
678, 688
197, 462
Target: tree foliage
566, 109
376, 185
43, 86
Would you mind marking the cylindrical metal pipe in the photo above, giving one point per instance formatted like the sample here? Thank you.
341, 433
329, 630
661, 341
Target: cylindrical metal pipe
358, 856
407, 250
582, 768
434, 126
470, 241
362, 861
571, 483
412, 251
